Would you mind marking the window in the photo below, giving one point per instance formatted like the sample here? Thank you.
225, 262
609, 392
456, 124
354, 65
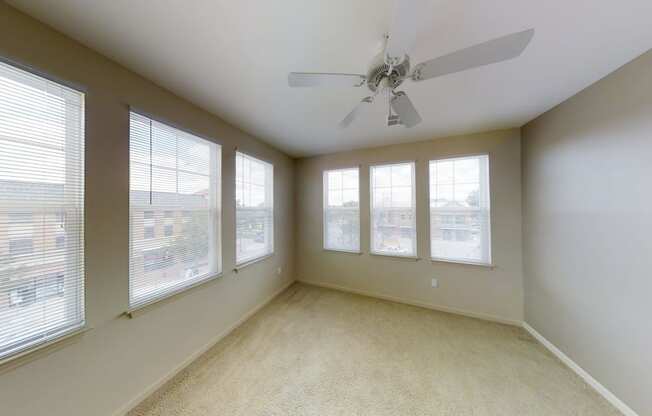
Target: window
41, 182
254, 190
174, 176
342, 210
459, 210
393, 215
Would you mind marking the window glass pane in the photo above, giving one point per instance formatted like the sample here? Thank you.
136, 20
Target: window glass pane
402, 197
393, 215
382, 176
401, 175
335, 198
459, 209
174, 210
444, 172
254, 208
350, 179
467, 171
341, 210
350, 197
41, 210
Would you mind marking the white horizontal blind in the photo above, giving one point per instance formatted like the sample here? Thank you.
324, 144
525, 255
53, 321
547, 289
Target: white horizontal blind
393, 212
173, 210
254, 199
41, 210
342, 210
459, 209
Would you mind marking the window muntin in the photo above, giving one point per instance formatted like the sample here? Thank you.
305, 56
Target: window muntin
174, 210
342, 210
41, 210
460, 227
393, 210
254, 200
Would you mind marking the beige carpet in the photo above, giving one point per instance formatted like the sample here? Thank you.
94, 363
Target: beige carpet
315, 351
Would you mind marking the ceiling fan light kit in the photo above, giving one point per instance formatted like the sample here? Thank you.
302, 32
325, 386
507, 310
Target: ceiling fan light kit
390, 68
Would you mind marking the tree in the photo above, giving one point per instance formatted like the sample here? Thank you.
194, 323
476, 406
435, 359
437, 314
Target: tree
473, 199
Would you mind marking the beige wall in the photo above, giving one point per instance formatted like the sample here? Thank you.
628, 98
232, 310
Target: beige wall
587, 176
119, 359
495, 293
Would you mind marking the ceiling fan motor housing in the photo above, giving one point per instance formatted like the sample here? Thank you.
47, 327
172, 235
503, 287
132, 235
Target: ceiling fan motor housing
378, 71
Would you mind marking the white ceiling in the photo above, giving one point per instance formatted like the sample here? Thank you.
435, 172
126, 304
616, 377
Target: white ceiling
232, 59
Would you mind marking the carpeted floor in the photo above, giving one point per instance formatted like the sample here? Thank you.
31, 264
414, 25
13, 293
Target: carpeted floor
316, 351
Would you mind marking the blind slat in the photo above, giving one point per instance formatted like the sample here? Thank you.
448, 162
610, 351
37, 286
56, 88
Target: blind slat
41, 210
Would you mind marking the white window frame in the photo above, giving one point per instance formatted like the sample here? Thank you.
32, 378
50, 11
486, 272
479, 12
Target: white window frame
415, 254
325, 207
73, 211
215, 244
269, 192
488, 238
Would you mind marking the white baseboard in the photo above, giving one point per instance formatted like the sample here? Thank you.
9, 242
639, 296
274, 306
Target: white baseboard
595, 384
439, 308
155, 386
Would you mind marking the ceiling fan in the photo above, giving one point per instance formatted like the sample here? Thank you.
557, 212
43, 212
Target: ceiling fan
391, 67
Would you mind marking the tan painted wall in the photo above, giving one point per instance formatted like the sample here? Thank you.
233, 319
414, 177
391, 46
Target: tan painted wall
587, 176
481, 291
103, 370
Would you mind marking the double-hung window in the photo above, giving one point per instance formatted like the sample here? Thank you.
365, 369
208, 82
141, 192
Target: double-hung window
41, 210
393, 213
460, 228
254, 200
342, 210
174, 210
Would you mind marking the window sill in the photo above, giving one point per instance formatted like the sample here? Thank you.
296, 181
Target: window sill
142, 307
396, 256
38, 349
333, 250
247, 263
464, 263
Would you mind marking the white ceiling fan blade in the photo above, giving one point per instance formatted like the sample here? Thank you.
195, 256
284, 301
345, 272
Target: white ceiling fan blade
354, 113
402, 106
316, 79
495, 50
406, 20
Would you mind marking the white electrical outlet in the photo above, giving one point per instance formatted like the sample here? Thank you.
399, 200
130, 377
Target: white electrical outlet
279, 271
435, 282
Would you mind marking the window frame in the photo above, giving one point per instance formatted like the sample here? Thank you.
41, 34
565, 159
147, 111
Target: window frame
489, 263
61, 333
324, 202
415, 254
244, 263
217, 225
